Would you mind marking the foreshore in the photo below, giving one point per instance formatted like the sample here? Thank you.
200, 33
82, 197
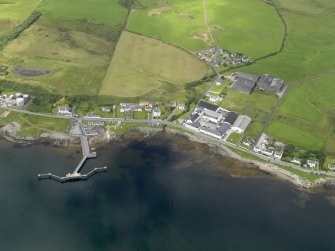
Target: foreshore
9, 133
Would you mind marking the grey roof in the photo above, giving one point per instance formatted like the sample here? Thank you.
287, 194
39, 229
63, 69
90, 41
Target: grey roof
276, 85
196, 125
207, 106
231, 117
243, 85
246, 76
216, 132
242, 122
224, 127
264, 82
194, 117
212, 114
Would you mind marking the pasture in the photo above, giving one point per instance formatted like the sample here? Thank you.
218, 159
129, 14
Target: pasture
257, 106
309, 43
236, 27
308, 108
305, 117
73, 50
14, 12
141, 65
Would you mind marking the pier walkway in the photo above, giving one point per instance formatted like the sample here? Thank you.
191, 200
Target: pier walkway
76, 175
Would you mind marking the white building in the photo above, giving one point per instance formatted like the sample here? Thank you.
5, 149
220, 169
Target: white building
215, 99
20, 102
312, 163
241, 124
296, 161
66, 111
156, 112
181, 106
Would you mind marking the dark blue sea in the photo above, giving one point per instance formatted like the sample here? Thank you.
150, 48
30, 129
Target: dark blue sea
160, 193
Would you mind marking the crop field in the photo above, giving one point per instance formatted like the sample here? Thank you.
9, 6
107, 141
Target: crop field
236, 27
141, 64
63, 51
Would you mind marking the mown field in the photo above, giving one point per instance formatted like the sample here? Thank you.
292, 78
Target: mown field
72, 43
255, 33
141, 65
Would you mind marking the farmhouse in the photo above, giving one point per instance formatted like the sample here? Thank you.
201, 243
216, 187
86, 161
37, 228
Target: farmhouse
331, 166
279, 151
105, 109
66, 111
296, 161
215, 99
243, 82
241, 123
156, 112
181, 106
312, 163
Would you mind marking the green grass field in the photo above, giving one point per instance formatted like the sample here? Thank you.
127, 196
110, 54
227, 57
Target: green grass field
306, 116
309, 43
69, 43
14, 12
237, 28
257, 106
142, 64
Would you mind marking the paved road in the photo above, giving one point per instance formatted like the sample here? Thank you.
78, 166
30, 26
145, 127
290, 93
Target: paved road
172, 124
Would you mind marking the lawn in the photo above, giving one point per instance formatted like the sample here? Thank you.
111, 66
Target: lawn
235, 138
181, 22
142, 64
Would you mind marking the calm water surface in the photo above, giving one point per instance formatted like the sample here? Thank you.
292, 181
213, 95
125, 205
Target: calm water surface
157, 195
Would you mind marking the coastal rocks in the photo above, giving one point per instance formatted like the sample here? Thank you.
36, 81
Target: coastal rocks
10, 132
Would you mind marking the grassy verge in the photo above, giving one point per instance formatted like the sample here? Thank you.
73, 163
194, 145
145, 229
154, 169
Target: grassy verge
33, 126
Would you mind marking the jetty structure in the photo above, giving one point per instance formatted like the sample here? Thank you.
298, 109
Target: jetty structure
76, 175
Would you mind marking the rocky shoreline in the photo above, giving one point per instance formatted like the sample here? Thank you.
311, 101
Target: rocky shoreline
10, 133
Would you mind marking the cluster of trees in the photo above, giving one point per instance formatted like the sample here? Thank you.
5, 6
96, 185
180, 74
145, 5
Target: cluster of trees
14, 33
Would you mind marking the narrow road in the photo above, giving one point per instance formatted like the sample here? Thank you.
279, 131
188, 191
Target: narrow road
210, 30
